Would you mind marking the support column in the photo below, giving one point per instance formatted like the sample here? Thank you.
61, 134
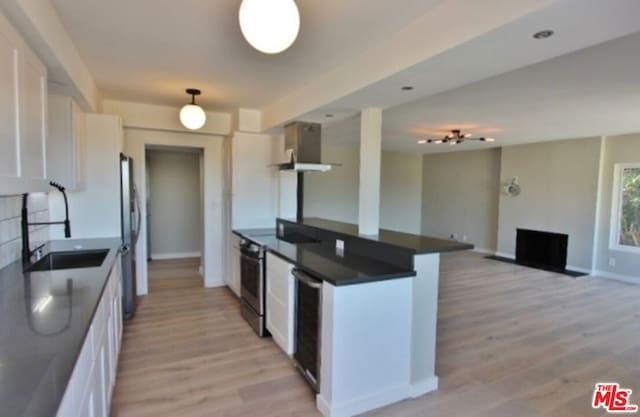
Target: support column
370, 157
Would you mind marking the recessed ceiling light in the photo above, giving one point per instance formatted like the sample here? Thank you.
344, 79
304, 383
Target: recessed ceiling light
407, 88
543, 34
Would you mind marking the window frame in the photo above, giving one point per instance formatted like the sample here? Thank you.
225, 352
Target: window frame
616, 209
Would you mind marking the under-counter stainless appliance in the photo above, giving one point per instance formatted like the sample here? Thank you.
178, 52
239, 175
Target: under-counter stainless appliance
307, 327
252, 280
130, 212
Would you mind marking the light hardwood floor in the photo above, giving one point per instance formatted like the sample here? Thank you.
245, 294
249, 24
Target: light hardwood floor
512, 341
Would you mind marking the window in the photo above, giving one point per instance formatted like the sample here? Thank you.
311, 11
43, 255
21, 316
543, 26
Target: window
625, 225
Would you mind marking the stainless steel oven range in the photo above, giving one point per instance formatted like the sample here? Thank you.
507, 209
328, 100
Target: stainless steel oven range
253, 285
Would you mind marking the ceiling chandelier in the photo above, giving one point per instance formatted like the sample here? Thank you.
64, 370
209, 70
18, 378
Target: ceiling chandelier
192, 116
270, 26
455, 137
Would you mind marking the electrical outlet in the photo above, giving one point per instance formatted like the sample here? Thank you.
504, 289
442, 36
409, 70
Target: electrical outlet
464, 238
612, 262
339, 247
454, 236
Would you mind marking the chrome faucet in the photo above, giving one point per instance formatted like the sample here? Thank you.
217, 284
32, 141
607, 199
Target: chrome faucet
27, 253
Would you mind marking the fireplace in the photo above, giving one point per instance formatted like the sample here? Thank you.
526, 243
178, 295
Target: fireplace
543, 250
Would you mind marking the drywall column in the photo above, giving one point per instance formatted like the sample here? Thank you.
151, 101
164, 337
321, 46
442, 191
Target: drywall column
370, 157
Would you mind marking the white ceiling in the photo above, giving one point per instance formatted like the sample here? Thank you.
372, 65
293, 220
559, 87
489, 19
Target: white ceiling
591, 92
152, 50
501, 82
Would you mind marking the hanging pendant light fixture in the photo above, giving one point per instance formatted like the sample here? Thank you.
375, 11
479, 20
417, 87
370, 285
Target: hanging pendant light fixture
192, 116
270, 26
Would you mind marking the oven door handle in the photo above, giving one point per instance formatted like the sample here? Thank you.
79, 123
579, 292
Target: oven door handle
306, 279
249, 258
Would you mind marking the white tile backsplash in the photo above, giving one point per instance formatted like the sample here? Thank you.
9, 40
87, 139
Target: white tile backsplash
10, 238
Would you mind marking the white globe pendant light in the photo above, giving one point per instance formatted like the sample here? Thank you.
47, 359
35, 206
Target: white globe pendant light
270, 26
192, 116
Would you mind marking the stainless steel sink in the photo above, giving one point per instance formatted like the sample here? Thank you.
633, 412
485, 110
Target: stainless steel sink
70, 260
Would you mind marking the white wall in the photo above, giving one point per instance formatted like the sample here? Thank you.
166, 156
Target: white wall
460, 196
175, 204
617, 149
10, 221
559, 183
95, 211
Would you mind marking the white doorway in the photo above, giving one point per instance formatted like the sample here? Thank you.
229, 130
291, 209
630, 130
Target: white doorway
174, 211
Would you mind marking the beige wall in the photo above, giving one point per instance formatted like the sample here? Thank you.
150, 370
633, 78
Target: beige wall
401, 192
559, 191
460, 196
334, 194
174, 202
618, 149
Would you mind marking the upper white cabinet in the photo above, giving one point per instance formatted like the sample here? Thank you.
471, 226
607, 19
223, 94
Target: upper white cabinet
23, 115
66, 143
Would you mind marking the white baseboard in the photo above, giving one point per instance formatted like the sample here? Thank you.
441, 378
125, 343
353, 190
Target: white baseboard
183, 255
506, 255
362, 404
484, 251
424, 387
617, 277
578, 269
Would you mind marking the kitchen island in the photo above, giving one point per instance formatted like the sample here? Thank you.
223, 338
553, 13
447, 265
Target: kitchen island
379, 301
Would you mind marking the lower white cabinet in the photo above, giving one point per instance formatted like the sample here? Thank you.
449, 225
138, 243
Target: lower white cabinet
89, 390
280, 302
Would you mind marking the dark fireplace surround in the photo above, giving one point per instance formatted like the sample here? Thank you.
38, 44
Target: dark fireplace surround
542, 250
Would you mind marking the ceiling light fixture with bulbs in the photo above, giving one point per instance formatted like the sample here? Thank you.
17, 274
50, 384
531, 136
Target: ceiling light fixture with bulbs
270, 26
455, 137
191, 115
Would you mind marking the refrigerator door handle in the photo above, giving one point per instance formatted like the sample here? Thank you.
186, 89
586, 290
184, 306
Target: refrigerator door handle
138, 214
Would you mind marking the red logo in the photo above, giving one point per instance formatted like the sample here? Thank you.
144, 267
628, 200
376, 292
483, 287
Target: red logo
612, 398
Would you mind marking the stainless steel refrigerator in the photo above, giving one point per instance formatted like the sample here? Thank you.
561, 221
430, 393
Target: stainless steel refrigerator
130, 211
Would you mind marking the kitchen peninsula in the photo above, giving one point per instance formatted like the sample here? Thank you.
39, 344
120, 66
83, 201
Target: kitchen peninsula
378, 308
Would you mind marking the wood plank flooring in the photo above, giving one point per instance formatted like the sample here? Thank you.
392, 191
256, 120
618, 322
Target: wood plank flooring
512, 341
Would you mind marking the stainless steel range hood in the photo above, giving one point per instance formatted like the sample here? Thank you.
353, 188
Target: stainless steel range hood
303, 145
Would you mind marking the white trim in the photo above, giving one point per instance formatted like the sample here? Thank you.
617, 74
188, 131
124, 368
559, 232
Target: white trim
506, 255
596, 229
616, 208
484, 251
616, 277
578, 269
176, 255
423, 387
362, 404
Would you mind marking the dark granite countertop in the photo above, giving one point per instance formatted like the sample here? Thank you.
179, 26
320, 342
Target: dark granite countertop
43, 328
322, 262
416, 243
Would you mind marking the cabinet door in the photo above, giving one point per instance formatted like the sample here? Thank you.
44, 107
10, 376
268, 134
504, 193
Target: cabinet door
280, 302
65, 143
33, 120
9, 145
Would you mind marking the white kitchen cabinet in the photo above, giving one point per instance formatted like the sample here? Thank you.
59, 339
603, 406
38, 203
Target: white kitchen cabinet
66, 143
23, 115
88, 393
233, 278
280, 302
